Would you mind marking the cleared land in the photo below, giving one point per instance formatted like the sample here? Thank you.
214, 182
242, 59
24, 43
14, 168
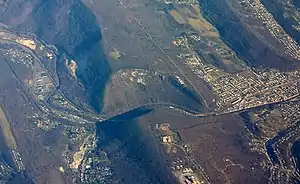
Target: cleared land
6, 129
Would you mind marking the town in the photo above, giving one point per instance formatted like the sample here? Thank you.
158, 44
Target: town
243, 90
273, 130
258, 10
183, 165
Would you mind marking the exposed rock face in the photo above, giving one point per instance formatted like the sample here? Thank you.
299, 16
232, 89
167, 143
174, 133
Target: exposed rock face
71, 27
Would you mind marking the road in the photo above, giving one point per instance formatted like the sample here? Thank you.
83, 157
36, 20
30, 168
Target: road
156, 105
170, 60
194, 162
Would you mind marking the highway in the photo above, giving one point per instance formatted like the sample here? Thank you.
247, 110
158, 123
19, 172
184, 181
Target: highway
103, 118
171, 61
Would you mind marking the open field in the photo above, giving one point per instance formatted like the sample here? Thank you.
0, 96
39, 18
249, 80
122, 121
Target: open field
7, 131
167, 66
